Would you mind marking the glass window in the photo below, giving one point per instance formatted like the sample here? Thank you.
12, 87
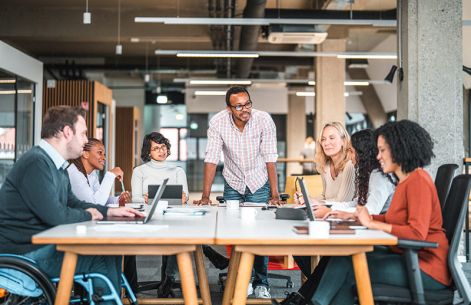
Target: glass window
16, 120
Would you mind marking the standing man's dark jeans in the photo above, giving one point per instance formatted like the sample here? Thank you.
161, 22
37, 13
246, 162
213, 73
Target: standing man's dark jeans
304, 264
262, 195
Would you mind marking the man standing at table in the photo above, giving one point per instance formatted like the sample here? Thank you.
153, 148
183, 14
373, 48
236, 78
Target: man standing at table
37, 196
247, 138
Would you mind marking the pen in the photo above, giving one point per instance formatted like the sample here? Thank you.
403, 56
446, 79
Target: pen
122, 185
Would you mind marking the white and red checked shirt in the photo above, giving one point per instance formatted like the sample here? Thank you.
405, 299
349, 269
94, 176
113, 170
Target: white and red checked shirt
246, 152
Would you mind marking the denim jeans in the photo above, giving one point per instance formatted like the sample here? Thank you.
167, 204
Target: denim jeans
338, 280
260, 265
50, 261
170, 266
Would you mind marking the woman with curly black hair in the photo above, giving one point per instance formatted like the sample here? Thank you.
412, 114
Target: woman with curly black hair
154, 153
415, 213
373, 189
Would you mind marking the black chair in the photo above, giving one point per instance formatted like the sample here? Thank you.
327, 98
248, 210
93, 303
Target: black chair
445, 174
453, 220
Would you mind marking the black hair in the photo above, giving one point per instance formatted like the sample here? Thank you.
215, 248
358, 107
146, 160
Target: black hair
410, 144
235, 90
57, 118
157, 138
366, 150
87, 147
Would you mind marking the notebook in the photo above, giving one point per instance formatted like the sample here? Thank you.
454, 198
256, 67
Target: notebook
172, 193
156, 204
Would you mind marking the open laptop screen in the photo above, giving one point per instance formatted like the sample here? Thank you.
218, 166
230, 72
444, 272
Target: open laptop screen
172, 191
307, 201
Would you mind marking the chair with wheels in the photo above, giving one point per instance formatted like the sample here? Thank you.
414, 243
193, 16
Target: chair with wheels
453, 220
26, 283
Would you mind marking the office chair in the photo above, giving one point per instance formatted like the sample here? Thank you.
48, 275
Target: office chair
453, 219
26, 283
445, 174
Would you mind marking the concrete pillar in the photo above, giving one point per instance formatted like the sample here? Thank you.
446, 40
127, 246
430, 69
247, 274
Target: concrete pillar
296, 132
330, 76
432, 90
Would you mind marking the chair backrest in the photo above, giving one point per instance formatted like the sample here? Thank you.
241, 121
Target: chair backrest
312, 182
453, 220
445, 174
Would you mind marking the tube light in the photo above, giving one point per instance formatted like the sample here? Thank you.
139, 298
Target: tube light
305, 93
220, 82
311, 82
356, 83
24, 91
7, 81
218, 54
203, 93
367, 56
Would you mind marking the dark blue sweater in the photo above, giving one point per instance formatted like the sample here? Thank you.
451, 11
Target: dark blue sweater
35, 197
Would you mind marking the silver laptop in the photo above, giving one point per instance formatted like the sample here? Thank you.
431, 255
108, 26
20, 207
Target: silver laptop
172, 193
155, 205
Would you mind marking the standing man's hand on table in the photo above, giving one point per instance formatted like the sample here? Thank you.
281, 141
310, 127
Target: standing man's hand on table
96, 215
202, 201
124, 212
275, 200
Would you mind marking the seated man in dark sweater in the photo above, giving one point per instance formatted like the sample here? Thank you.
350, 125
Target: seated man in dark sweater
37, 195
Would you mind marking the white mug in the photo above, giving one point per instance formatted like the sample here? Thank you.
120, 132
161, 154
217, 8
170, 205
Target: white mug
248, 214
232, 204
319, 229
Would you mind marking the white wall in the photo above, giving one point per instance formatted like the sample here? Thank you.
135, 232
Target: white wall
352, 104
467, 42
270, 99
16, 62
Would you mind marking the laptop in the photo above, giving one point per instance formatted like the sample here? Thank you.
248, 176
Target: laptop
172, 193
155, 205
307, 200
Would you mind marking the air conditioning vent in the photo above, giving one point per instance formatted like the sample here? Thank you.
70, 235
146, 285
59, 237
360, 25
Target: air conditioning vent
295, 35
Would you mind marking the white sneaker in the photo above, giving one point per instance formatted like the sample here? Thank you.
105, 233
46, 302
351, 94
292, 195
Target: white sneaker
261, 292
249, 289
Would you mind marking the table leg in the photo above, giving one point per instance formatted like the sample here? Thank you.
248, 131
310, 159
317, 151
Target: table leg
66, 278
231, 277
243, 278
362, 278
466, 233
202, 277
187, 278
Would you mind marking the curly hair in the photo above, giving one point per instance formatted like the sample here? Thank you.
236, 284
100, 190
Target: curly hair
157, 138
364, 144
322, 159
87, 147
235, 90
410, 144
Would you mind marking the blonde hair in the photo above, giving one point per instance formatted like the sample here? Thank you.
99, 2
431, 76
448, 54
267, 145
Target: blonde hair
322, 159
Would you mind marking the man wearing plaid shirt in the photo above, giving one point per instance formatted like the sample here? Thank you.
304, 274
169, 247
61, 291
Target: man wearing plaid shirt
247, 138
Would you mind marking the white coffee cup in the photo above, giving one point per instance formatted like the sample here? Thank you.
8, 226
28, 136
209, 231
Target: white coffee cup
319, 229
248, 214
232, 204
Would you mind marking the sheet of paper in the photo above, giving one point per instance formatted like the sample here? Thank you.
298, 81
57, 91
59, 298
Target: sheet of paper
133, 228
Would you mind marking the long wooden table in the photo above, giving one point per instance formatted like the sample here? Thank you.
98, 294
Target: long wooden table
164, 235
267, 236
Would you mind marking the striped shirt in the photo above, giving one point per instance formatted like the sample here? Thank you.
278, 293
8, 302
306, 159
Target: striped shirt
245, 153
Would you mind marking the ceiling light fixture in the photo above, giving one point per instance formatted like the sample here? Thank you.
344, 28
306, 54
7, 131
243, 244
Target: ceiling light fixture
119, 47
311, 83
353, 55
220, 82
211, 54
7, 81
256, 54
209, 93
262, 21
87, 16
23, 91
356, 83
305, 93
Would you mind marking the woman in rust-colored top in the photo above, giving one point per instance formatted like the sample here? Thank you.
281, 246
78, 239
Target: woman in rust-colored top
404, 149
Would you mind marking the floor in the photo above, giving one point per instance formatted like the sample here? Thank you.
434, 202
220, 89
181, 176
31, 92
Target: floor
149, 269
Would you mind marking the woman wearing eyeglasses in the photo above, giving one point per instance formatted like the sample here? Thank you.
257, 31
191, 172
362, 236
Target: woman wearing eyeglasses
154, 153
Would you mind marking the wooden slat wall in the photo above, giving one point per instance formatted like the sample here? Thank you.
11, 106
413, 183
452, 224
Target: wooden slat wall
71, 93
124, 143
